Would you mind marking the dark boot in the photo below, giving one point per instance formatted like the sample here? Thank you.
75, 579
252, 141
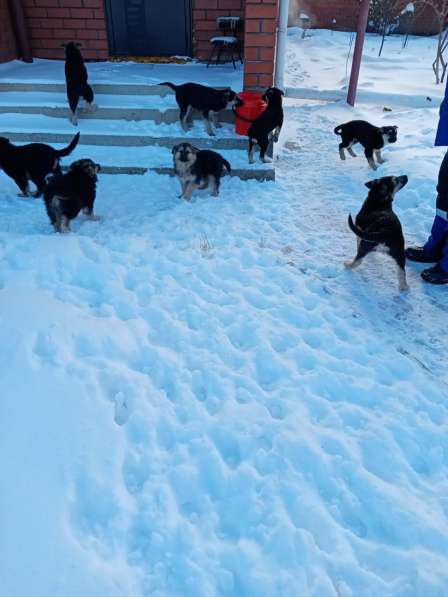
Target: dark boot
435, 275
421, 255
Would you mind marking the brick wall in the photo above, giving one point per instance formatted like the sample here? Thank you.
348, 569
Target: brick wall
8, 48
259, 39
205, 13
343, 15
53, 22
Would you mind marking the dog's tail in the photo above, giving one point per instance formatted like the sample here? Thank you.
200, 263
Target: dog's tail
227, 165
338, 129
370, 237
173, 87
67, 150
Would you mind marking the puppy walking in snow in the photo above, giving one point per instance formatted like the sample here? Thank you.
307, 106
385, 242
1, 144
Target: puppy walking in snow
197, 169
372, 138
76, 80
377, 225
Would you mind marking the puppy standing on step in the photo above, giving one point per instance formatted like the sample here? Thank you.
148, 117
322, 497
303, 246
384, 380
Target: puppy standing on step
207, 100
34, 162
197, 169
267, 126
67, 194
372, 138
76, 80
376, 224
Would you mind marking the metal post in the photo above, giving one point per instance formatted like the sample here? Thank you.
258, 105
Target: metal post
280, 54
357, 53
20, 30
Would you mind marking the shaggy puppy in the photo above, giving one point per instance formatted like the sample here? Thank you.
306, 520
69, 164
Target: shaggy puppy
197, 169
372, 138
376, 224
66, 194
76, 80
207, 100
32, 162
268, 125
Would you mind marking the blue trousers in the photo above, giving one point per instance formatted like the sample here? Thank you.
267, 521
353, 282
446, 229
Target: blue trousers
437, 243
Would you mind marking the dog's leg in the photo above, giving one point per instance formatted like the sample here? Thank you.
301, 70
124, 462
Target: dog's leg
369, 155
276, 134
215, 183
205, 184
363, 249
215, 117
64, 225
341, 151
251, 151
264, 144
191, 186
379, 157
185, 112
398, 255
208, 124
22, 183
402, 282
350, 150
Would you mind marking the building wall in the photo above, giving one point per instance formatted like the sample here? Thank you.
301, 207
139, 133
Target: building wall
261, 19
53, 22
205, 13
8, 48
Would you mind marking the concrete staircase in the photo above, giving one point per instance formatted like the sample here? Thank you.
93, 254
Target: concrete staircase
131, 132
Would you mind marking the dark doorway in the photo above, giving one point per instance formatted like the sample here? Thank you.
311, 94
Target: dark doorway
149, 27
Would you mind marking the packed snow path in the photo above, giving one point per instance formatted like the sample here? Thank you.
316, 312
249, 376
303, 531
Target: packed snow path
198, 400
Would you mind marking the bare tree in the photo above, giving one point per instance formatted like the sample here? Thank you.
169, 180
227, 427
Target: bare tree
440, 9
384, 17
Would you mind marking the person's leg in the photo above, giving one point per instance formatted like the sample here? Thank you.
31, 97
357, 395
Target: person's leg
432, 250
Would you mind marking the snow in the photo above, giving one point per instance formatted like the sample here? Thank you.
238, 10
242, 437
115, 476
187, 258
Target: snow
125, 73
197, 399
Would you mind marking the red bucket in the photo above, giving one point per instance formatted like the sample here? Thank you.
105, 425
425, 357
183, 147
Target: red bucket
250, 111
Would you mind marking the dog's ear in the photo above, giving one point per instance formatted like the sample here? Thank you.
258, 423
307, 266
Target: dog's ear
195, 149
282, 92
371, 184
395, 128
78, 44
175, 148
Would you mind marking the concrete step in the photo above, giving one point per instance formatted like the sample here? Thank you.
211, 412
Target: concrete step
30, 128
102, 88
160, 109
139, 160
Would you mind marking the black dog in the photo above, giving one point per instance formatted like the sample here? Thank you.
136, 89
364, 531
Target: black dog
66, 194
267, 126
76, 80
32, 162
208, 100
372, 138
376, 224
197, 168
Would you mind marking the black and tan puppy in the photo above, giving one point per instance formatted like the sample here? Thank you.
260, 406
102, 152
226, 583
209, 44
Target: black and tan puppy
267, 126
197, 169
377, 225
67, 194
34, 162
207, 100
372, 138
76, 80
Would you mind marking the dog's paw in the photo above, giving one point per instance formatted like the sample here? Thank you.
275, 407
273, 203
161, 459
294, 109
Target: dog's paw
348, 264
93, 217
403, 287
267, 160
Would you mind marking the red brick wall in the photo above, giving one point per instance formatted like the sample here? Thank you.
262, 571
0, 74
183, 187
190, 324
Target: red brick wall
323, 13
8, 48
205, 13
53, 22
261, 19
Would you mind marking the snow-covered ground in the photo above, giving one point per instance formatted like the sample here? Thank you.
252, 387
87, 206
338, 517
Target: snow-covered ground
197, 399
403, 76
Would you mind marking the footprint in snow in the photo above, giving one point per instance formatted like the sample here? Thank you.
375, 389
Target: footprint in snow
121, 409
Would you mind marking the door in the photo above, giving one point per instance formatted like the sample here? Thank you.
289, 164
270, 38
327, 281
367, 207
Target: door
149, 27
